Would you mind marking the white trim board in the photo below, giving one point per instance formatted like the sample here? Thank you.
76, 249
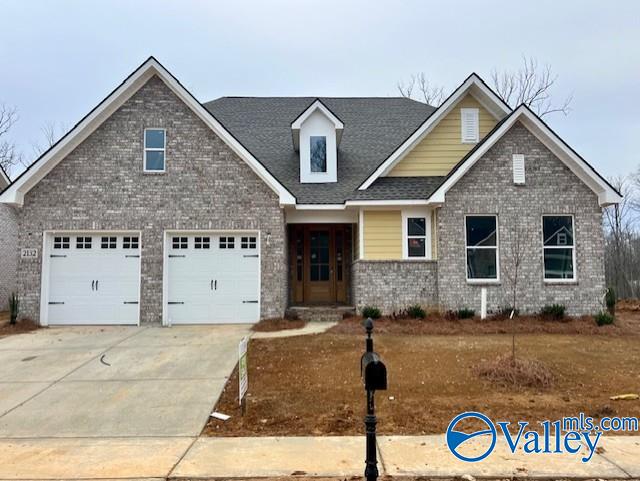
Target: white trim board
473, 85
607, 195
40, 168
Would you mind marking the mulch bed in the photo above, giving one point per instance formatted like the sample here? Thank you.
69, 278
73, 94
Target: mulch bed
270, 325
441, 324
20, 327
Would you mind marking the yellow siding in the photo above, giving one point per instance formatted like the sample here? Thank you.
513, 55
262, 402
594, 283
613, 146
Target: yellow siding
383, 235
442, 148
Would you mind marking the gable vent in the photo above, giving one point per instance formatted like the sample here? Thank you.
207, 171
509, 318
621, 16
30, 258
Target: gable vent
470, 125
518, 169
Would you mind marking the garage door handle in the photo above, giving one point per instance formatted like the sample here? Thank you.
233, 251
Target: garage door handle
251, 255
55, 303
171, 256
216, 285
249, 302
97, 285
58, 255
132, 256
174, 303
93, 285
130, 302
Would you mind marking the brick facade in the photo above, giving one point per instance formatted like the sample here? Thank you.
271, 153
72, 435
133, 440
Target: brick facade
101, 186
8, 253
394, 285
551, 188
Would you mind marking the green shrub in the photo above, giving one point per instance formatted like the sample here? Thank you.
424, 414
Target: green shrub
14, 307
371, 311
466, 313
603, 318
553, 311
610, 300
416, 312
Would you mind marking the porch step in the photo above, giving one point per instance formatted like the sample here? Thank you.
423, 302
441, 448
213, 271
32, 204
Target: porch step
320, 313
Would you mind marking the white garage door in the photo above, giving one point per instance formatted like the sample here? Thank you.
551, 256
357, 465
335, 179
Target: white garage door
213, 278
93, 278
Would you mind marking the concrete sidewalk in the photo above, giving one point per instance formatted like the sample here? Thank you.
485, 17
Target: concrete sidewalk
181, 457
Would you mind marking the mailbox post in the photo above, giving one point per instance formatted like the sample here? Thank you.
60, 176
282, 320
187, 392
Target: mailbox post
374, 377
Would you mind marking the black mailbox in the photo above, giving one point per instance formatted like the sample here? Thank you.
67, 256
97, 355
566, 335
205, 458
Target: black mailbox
373, 372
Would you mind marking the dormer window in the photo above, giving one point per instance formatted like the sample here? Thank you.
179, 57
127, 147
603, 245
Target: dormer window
316, 136
318, 153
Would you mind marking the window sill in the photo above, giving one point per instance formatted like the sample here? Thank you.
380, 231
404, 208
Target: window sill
154, 172
571, 282
480, 282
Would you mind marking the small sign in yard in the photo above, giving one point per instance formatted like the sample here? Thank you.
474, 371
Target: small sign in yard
243, 375
29, 253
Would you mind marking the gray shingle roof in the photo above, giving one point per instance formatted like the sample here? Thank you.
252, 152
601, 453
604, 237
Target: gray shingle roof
399, 188
373, 129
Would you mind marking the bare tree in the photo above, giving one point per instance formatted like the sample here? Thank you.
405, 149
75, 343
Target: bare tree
420, 86
622, 244
9, 154
514, 255
51, 132
530, 84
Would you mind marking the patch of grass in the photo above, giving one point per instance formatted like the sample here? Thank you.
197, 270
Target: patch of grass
465, 313
371, 311
553, 311
604, 319
508, 371
416, 312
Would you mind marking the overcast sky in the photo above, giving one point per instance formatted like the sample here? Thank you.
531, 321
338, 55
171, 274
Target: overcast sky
59, 59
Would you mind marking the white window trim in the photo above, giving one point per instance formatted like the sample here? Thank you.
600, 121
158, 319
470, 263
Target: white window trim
476, 139
163, 149
409, 214
486, 280
574, 280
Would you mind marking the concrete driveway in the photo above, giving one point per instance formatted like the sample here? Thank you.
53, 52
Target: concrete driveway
152, 381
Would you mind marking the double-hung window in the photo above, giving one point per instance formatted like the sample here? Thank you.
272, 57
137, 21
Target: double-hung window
154, 150
558, 247
416, 237
481, 232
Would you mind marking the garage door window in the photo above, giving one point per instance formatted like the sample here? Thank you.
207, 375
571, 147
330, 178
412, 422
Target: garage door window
83, 242
130, 242
109, 242
60, 242
202, 242
248, 242
227, 242
180, 242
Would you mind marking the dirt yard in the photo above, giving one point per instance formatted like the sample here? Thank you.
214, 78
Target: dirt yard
310, 385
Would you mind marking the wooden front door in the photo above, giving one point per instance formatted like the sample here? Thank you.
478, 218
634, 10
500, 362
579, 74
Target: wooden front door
319, 267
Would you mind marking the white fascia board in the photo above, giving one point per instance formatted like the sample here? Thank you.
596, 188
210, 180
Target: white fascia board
606, 194
316, 105
383, 203
474, 85
320, 206
15, 194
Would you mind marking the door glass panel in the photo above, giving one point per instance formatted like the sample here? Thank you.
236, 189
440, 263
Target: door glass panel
319, 262
339, 255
